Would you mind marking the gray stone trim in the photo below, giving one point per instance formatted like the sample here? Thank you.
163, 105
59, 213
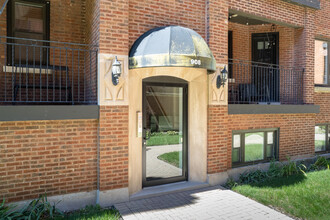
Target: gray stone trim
48, 112
307, 3
322, 89
272, 109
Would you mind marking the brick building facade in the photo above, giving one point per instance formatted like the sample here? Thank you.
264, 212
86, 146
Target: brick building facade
92, 156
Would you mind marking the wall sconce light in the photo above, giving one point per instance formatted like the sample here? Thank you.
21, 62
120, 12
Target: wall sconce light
222, 78
116, 71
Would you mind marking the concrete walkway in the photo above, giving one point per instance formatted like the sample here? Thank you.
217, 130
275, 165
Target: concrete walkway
205, 203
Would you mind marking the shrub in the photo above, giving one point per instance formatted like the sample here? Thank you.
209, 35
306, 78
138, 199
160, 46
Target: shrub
37, 209
275, 170
320, 164
8, 212
231, 183
255, 176
291, 168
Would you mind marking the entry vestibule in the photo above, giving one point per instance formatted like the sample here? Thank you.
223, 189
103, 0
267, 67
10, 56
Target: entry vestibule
168, 65
197, 121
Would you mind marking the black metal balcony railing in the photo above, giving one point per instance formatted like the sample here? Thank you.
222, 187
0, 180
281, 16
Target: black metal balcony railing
261, 83
47, 72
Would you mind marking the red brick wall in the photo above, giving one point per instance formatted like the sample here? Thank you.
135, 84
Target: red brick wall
113, 147
218, 29
114, 27
322, 20
296, 134
323, 100
217, 136
52, 157
148, 14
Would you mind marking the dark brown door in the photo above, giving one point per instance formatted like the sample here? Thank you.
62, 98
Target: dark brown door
265, 72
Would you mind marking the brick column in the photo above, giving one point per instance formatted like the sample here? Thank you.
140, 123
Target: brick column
114, 27
113, 101
304, 53
217, 108
218, 29
113, 133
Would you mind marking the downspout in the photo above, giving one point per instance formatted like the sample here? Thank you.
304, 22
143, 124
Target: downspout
98, 163
98, 135
207, 22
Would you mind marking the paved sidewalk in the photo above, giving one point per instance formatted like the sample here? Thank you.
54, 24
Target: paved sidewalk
206, 203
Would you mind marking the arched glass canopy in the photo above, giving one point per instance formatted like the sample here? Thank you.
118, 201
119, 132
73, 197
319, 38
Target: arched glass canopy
171, 46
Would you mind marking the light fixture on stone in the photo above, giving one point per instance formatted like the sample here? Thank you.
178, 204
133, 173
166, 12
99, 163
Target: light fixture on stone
222, 78
116, 71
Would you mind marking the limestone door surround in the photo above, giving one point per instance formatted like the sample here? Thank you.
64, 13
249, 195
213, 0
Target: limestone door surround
197, 121
202, 92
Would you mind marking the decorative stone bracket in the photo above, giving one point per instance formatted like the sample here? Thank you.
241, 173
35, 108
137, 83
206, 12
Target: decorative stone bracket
217, 96
110, 94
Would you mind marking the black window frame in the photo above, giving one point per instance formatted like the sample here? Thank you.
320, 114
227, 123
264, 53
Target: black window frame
11, 31
328, 66
276, 134
327, 139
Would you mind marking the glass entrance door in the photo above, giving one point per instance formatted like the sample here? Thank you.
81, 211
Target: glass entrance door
164, 133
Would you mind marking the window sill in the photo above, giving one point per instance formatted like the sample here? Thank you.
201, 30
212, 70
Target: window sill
36, 70
321, 88
255, 163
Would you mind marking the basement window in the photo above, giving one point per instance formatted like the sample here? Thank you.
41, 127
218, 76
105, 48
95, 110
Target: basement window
322, 134
255, 146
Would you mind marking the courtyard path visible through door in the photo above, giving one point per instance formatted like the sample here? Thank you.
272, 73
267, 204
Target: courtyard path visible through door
159, 168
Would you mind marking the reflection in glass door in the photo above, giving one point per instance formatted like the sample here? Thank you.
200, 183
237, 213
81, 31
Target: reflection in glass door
164, 133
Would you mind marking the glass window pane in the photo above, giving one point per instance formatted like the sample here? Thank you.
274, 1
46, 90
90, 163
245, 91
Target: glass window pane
254, 146
260, 45
270, 137
164, 126
237, 141
320, 138
270, 150
29, 18
267, 45
321, 62
235, 155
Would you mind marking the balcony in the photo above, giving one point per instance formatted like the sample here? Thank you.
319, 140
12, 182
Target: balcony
261, 83
47, 72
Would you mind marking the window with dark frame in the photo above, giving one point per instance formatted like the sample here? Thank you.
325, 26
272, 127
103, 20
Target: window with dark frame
28, 19
322, 135
322, 64
249, 147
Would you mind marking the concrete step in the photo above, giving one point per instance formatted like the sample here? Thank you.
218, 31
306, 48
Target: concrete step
152, 191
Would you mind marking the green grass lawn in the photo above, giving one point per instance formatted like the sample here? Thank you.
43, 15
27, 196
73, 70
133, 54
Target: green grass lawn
300, 196
92, 213
171, 158
164, 139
